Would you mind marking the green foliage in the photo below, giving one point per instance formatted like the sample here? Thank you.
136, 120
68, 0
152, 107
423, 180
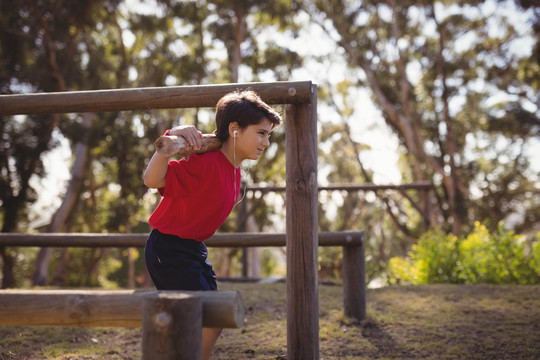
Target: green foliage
535, 260
90, 268
498, 257
269, 263
435, 257
330, 262
446, 99
414, 74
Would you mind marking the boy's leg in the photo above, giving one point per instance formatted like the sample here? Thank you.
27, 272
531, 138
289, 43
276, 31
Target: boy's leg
209, 338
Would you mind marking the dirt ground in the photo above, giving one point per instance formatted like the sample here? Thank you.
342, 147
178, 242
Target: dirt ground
407, 322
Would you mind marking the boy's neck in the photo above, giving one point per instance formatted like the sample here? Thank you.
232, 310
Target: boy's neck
228, 150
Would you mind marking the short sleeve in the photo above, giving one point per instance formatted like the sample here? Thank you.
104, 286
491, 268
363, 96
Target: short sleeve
183, 177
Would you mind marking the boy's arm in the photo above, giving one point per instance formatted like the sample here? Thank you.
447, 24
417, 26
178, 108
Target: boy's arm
156, 171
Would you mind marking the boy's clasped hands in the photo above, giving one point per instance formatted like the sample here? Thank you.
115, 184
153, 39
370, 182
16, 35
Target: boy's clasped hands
190, 133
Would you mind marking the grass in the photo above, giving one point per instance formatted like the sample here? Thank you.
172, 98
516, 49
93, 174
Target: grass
407, 322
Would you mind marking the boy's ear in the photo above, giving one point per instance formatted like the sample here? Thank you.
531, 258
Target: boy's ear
233, 126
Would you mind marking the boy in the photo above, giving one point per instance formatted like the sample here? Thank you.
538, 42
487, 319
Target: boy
199, 193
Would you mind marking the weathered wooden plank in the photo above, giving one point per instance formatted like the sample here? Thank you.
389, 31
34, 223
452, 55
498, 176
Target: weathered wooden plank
221, 309
191, 96
343, 238
421, 185
302, 231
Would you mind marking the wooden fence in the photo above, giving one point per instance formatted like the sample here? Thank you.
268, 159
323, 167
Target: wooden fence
301, 173
352, 243
172, 321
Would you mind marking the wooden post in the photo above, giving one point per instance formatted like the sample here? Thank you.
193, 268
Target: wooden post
302, 231
354, 281
172, 327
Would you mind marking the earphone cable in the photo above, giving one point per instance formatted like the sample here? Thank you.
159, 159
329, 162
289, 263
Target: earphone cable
235, 174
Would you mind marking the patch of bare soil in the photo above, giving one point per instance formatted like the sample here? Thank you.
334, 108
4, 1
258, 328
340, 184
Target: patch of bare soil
404, 322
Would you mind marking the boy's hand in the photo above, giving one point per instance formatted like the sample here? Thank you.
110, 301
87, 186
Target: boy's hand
190, 133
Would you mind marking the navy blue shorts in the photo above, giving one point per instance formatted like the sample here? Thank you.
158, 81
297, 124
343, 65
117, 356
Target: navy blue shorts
178, 264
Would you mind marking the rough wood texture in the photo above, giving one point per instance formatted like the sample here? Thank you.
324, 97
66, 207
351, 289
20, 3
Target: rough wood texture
171, 327
421, 185
302, 231
169, 97
178, 146
342, 238
354, 285
354, 281
221, 309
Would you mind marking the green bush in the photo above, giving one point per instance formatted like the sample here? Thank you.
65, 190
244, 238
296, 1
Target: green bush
500, 257
435, 257
401, 270
535, 261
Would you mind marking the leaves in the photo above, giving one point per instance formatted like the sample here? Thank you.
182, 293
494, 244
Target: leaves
456, 83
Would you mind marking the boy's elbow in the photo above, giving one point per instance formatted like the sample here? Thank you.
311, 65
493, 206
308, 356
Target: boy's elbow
152, 183
147, 181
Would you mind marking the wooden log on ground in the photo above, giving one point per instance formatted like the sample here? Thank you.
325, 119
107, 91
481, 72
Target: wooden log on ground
122, 308
172, 327
170, 145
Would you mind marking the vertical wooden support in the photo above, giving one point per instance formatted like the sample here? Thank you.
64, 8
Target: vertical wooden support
172, 327
354, 281
302, 231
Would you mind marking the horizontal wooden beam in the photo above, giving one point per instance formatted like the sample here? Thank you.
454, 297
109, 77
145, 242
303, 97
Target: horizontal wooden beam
342, 238
122, 308
193, 96
422, 185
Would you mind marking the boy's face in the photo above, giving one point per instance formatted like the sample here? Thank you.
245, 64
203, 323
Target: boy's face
252, 140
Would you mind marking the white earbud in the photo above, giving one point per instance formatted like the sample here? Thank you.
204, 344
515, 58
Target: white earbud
235, 132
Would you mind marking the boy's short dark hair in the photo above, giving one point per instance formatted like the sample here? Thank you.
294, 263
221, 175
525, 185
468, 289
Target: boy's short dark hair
245, 108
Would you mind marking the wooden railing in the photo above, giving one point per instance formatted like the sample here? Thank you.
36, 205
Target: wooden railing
172, 321
300, 99
352, 243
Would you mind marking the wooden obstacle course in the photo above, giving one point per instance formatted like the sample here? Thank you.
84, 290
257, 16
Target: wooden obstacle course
352, 243
221, 309
171, 327
301, 173
167, 97
172, 321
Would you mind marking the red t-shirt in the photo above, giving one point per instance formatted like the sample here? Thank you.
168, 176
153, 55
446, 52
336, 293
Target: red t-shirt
197, 197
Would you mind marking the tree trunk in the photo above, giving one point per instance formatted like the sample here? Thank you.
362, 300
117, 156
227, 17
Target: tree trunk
396, 99
131, 267
93, 267
239, 39
70, 199
8, 262
61, 268
253, 252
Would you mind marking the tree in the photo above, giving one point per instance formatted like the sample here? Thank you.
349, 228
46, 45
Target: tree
98, 45
429, 85
40, 52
